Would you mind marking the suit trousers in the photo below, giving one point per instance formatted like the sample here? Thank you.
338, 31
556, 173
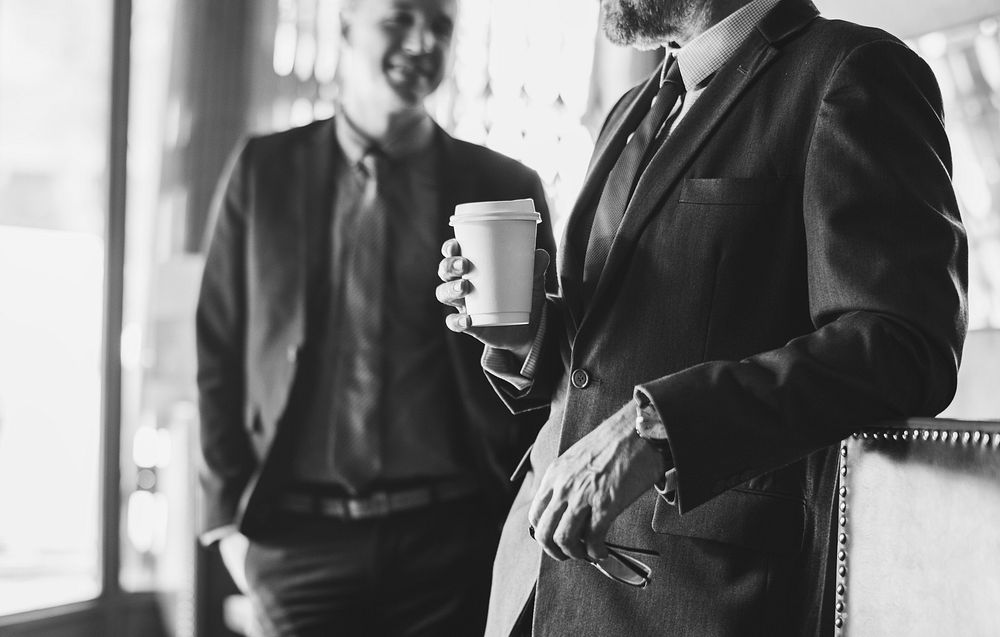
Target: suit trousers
422, 573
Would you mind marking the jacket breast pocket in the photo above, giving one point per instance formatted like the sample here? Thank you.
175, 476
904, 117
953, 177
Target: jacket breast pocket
755, 520
733, 230
732, 191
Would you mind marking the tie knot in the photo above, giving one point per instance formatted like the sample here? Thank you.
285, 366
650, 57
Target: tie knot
372, 163
672, 75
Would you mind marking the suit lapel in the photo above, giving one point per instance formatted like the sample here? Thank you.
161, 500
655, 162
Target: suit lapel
298, 235
315, 205
301, 198
674, 157
609, 146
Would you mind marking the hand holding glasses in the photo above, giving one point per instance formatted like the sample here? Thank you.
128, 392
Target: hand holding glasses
619, 566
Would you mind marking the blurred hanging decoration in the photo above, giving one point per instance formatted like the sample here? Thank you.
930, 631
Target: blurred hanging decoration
285, 37
522, 84
327, 40
305, 41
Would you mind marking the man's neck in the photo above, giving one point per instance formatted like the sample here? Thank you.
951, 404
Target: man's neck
380, 124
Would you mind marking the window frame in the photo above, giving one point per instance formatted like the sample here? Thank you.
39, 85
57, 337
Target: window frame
115, 612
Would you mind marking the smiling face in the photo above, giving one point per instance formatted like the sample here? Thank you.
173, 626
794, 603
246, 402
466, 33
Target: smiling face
396, 51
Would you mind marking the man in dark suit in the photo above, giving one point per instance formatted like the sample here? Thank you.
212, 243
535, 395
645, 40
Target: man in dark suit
350, 436
762, 259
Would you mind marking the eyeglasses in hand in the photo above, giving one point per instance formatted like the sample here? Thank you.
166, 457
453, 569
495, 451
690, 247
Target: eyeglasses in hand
619, 566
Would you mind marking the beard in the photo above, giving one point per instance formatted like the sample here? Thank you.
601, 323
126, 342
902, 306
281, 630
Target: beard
647, 24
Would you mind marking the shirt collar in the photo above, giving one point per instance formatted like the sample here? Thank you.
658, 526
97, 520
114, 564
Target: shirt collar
700, 58
412, 137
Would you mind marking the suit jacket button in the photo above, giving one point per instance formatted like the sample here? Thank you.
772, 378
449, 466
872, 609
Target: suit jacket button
580, 378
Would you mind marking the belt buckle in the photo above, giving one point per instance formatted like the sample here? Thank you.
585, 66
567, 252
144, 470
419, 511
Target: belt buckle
375, 505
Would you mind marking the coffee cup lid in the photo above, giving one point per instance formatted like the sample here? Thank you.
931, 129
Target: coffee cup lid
511, 207
496, 216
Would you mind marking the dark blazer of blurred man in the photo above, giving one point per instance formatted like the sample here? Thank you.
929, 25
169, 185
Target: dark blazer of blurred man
372, 488
782, 265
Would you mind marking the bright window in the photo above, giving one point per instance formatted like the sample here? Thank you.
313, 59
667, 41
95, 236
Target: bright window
54, 103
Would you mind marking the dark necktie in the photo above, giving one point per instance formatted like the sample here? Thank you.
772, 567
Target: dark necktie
357, 443
625, 174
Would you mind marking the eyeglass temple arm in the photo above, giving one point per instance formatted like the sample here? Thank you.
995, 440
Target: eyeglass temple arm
627, 563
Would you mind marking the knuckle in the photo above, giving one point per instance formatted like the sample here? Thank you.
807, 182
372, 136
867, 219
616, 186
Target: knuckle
567, 545
598, 524
535, 509
555, 552
563, 489
544, 533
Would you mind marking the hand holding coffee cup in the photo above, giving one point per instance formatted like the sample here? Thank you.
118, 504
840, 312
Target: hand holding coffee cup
492, 272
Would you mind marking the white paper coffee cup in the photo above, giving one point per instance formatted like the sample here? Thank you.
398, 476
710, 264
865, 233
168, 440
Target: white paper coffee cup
498, 237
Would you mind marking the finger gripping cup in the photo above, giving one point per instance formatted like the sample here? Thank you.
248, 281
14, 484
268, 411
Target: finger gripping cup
498, 238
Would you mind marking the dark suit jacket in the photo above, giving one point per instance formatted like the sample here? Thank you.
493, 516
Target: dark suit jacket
791, 266
251, 318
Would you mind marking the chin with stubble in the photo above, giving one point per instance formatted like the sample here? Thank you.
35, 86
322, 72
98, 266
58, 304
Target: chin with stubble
649, 24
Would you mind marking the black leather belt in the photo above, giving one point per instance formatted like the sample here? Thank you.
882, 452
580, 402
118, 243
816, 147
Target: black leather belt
375, 504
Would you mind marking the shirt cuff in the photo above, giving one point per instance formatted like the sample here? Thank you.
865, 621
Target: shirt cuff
531, 362
667, 487
210, 537
668, 490
505, 366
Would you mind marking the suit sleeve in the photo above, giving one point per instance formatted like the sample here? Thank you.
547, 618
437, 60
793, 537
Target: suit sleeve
887, 280
227, 457
535, 392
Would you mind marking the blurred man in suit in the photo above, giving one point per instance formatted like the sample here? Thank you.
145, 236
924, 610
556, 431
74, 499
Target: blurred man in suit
766, 255
350, 436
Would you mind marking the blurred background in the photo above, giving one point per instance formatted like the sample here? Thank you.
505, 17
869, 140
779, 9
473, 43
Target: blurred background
116, 117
